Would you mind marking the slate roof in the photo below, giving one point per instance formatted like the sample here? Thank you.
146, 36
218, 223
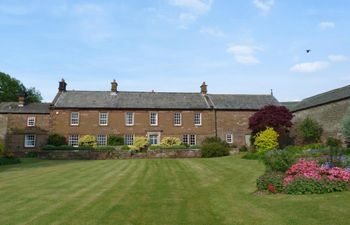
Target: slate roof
240, 102
33, 108
290, 105
324, 98
159, 100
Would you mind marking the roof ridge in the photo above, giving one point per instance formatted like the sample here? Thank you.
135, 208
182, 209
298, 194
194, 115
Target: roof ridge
327, 92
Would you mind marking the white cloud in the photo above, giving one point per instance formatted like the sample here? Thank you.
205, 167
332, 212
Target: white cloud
212, 31
192, 10
199, 6
244, 54
338, 58
264, 5
310, 67
326, 25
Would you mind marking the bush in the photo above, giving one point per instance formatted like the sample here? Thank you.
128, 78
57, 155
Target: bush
302, 185
56, 140
252, 155
125, 148
272, 182
278, 160
193, 147
104, 148
310, 130
214, 149
87, 140
7, 160
243, 149
346, 127
31, 155
114, 140
140, 144
65, 148
210, 140
333, 142
266, 140
170, 141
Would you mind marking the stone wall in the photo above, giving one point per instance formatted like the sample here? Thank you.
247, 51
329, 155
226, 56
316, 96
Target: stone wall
3, 126
329, 116
92, 155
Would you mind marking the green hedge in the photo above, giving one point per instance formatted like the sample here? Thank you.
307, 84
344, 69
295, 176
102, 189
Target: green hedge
302, 185
7, 160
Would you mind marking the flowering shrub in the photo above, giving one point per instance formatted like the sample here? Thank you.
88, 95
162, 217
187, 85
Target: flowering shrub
306, 177
266, 140
272, 182
140, 143
170, 141
87, 140
278, 160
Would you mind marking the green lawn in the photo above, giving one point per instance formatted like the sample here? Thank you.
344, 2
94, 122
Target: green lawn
174, 191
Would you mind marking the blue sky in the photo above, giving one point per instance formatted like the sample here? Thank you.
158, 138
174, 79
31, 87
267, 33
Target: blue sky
240, 46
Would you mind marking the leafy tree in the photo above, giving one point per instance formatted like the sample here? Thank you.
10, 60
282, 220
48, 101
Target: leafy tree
277, 117
310, 130
10, 88
346, 127
266, 140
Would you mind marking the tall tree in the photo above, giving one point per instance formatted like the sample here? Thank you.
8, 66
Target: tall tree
10, 88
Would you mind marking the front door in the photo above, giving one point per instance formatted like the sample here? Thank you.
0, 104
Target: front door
153, 138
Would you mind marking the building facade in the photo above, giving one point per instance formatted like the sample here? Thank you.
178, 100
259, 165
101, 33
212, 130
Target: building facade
189, 116
328, 109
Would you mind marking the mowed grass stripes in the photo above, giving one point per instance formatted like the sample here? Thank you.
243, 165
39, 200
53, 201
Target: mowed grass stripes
164, 191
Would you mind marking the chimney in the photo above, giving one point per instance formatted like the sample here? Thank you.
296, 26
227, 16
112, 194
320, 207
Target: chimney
62, 86
21, 99
114, 87
204, 89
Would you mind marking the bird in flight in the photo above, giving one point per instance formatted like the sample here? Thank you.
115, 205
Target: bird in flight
308, 50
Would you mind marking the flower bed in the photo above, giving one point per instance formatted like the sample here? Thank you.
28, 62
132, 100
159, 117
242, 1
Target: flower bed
306, 177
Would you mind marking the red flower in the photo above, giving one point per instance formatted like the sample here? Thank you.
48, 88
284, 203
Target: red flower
271, 188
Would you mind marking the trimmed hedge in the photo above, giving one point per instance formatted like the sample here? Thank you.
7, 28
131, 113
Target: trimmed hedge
8, 160
65, 148
214, 150
301, 185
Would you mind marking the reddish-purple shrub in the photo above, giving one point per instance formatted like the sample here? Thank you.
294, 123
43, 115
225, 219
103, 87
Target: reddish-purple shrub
277, 117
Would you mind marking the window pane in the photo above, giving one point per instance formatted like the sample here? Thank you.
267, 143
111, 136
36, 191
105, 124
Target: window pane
101, 139
177, 118
31, 121
73, 140
192, 139
29, 141
103, 118
154, 118
198, 119
129, 139
129, 118
74, 118
229, 138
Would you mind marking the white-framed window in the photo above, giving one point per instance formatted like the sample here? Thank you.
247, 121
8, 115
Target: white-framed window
229, 138
185, 139
103, 118
101, 140
193, 139
177, 119
31, 121
29, 141
129, 118
189, 139
247, 139
153, 139
198, 119
73, 140
129, 139
153, 119
74, 118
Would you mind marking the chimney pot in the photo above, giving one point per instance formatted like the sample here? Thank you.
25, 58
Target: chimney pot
204, 89
21, 98
62, 86
114, 87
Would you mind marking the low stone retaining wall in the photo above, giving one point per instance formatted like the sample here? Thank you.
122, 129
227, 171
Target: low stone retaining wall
93, 155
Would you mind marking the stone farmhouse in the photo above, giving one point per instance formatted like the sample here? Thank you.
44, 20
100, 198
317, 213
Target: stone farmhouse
188, 116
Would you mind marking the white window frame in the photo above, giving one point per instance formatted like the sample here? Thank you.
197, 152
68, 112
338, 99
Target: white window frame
177, 118
27, 140
76, 139
103, 121
198, 120
229, 138
155, 119
194, 138
101, 140
31, 121
247, 138
185, 139
129, 139
127, 118
74, 121
149, 134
